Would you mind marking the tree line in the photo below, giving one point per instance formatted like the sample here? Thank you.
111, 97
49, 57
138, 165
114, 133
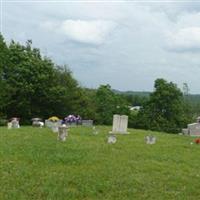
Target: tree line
32, 85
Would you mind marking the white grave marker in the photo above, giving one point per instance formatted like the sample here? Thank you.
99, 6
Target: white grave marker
192, 129
9, 125
95, 132
150, 139
112, 139
62, 133
37, 122
54, 128
50, 124
15, 123
87, 122
120, 124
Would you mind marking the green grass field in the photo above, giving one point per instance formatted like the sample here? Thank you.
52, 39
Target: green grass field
34, 165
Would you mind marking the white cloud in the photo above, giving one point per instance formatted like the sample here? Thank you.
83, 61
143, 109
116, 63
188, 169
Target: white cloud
90, 32
184, 35
184, 39
133, 51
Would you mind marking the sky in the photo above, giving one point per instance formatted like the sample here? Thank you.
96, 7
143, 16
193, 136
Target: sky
127, 44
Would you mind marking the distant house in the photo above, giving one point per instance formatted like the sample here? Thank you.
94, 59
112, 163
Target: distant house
135, 108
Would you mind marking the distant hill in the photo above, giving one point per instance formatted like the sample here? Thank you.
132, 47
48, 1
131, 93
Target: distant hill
134, 93
192, 98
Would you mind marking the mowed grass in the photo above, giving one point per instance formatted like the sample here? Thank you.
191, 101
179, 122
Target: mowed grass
34, 165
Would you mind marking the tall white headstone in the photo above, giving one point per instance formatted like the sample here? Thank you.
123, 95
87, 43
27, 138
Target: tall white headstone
120, 124
123, 124
116, 123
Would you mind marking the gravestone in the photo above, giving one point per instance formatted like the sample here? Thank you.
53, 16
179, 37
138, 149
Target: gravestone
48, 123
37, 122
120, 124
184, 131
150, 139
62, 133
112, 139
87, 122
116, 123
123, 124
192, 129
55, 127
9, 125
51, 124
15, 123
95, 132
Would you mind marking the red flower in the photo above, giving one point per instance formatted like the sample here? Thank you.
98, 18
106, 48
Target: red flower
197, 141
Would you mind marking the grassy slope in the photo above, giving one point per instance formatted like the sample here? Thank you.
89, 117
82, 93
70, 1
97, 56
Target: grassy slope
34, 165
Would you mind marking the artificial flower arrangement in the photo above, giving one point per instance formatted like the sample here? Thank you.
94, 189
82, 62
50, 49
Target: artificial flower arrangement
197, 141
53, 119
72, 119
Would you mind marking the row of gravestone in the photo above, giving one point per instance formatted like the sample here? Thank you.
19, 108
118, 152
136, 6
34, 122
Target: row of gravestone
112, 139
120, 124
37, 122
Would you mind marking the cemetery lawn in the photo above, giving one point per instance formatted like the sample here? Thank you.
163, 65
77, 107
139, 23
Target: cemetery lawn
34, 166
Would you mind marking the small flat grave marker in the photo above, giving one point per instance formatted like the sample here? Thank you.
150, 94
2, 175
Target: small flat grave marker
87, 122
112, 139
37, 122
150, 139
9, 125
14, 123
95, 132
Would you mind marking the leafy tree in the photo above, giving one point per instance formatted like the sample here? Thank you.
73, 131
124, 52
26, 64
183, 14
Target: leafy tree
36, 87
4, 61
135, 99
32, 85
165, 109
87, 107
109, 103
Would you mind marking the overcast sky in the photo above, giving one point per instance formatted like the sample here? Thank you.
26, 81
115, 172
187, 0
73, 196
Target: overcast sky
125, 44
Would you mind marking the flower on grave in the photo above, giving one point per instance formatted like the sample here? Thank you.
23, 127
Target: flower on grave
72, 119
53, 119
197, 141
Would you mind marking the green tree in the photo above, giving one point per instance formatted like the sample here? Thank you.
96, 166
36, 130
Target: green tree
4, 62
165, 109
109, 103
36, 86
